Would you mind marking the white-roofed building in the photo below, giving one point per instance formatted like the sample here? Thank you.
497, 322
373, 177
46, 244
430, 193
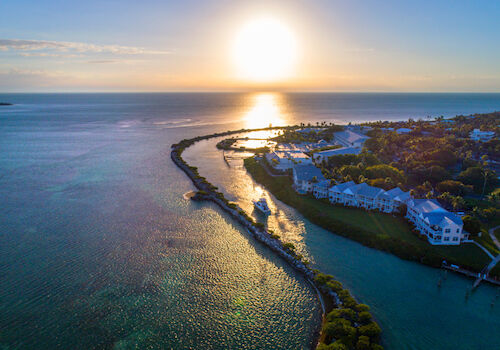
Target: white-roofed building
284, 160
482, 136
305, 176
324, 155
393, 199
368, 197
348, 138
436, 223
335, 193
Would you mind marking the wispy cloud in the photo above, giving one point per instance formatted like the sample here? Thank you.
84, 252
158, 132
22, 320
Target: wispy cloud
101, 61
72, 47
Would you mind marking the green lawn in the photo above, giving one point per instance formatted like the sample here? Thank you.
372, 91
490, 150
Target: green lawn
495, 271
381, 231
486, 241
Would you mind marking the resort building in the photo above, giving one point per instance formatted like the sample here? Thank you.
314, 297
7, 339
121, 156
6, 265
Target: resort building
335, 193
482, 136
348, 138
368, 197
363, 196
320, 189
436, 223
305, 176
284, 160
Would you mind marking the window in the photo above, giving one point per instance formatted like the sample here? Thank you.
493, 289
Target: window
447, 230
458, 230
438, 238
446, 239
455, 239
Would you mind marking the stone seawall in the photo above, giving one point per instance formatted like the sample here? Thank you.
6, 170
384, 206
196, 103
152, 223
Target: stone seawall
330, 292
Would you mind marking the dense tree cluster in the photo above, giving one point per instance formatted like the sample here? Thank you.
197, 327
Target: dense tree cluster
350, 326
439, 160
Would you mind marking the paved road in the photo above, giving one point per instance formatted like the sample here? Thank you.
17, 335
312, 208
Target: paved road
493, 237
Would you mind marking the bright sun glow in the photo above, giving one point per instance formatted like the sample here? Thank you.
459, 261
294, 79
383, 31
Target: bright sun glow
265, 111
264, 50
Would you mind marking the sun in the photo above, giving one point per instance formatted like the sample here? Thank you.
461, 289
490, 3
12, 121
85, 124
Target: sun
264, 50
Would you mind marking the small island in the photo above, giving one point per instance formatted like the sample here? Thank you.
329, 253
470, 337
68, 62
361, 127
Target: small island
5, 104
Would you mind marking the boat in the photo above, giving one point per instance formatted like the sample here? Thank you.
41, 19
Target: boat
261, 204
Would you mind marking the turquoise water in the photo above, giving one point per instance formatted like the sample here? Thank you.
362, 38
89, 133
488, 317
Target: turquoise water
99, 249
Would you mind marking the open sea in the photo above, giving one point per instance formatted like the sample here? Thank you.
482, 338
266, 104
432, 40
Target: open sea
100, 250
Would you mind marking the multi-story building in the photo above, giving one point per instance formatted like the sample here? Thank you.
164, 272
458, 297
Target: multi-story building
368, 197
284, 160
436, 223
320, 189
305, 176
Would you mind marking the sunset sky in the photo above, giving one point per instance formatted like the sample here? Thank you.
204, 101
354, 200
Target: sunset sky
153, 45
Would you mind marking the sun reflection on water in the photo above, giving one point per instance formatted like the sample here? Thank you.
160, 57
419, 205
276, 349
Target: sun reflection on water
266, 110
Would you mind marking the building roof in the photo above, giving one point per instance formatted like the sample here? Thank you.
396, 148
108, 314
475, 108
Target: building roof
442, 218
341, 187
307, 172
322, 184
364, 189
396, 191
291, 154
350, 136
427, 205
398, 194
339, 151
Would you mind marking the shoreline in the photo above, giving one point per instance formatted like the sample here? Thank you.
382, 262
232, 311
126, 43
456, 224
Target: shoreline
330, 293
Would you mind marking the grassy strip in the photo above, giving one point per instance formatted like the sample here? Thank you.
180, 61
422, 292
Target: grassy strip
377, 230
486, 241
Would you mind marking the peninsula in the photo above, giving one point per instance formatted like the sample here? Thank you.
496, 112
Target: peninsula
346, 324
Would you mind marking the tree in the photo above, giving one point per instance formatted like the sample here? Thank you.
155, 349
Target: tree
350, 170
363, 343
384, 171
339, 328
364, 317
471, 224
478, 177
451, 186
435, 174
371, 330
362, 307
347, 314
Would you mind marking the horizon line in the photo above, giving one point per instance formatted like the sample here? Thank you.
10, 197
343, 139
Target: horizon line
248, 91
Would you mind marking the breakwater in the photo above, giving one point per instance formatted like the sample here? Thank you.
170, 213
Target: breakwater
354, 324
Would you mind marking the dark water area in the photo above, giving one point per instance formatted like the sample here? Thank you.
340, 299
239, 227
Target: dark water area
99, 249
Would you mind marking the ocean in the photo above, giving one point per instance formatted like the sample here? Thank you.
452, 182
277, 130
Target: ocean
99, 249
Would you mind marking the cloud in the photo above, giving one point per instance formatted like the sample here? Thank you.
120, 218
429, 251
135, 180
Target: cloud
72, 47
101, 61
359, 50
